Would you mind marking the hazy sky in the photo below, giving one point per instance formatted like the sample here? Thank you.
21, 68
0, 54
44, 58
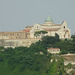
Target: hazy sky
17, 14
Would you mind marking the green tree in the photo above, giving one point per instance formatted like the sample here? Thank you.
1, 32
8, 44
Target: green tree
40, 33
73, 35
52, 68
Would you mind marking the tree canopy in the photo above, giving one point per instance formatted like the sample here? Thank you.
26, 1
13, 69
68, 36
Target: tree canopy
42, 32
29, 60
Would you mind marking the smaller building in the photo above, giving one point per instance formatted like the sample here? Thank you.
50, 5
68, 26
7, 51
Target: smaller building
53, 50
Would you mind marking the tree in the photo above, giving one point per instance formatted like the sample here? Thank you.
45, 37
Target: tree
73, 35
52, 68
49, 40
57, 37
40, 33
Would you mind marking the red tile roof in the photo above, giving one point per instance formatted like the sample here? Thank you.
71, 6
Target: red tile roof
51, 29
6, 32
56, 25
28, 26
44, 25
27, 30
53, 48
11, 32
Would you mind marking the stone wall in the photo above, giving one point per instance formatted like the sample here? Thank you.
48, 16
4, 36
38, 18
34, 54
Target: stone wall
17, 42
69, 58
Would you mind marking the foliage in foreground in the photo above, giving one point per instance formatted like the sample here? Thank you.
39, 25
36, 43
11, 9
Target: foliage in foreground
29, 61
23, 61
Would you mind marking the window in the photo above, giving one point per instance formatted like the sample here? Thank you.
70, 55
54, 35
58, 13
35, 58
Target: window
17, 34
37, 26
64, 27
57, 50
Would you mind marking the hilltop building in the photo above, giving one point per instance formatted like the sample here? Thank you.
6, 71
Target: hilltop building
29, 32
61, 29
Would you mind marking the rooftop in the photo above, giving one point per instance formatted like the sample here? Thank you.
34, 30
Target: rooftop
48, 19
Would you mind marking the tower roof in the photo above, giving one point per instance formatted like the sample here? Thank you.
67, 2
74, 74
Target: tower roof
48, 19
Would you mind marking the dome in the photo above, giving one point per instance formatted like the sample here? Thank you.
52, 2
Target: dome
48, 19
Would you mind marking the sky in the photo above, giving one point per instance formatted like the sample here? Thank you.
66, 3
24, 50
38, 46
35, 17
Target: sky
15, 15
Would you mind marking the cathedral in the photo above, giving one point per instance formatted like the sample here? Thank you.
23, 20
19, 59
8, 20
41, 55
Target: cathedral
61, 29
34, 33
29, 32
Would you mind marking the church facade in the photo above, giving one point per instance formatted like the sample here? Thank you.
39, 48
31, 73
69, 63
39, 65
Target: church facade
61, 29
29, 32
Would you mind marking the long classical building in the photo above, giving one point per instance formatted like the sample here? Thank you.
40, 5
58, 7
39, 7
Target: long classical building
29, 32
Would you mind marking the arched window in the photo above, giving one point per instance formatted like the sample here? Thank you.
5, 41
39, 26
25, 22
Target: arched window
64, 27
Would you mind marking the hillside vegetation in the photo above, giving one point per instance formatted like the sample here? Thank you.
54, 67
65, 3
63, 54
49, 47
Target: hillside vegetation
29, 61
